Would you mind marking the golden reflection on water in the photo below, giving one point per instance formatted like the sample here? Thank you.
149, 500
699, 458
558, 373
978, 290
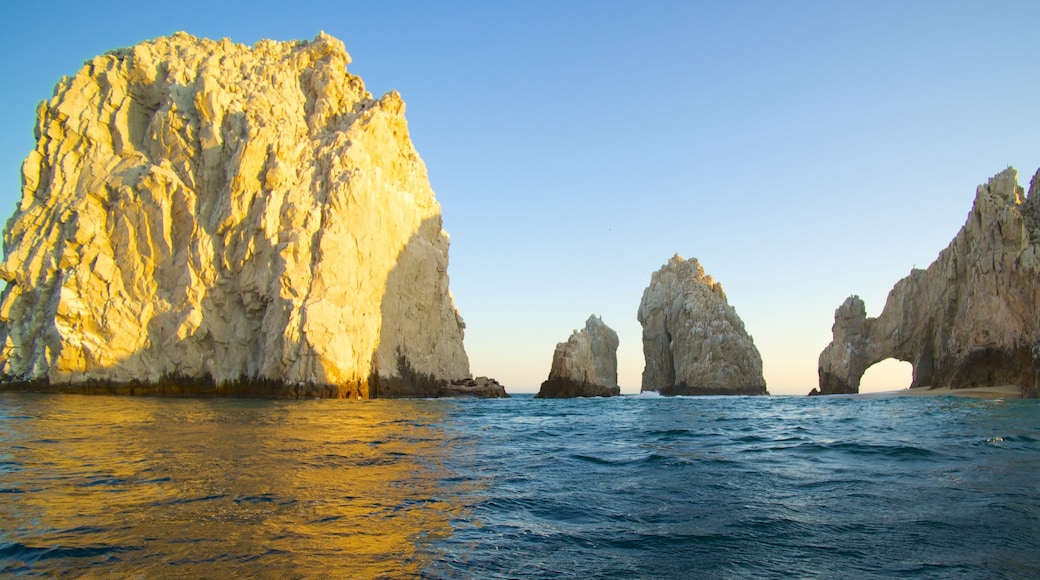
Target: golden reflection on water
211, 488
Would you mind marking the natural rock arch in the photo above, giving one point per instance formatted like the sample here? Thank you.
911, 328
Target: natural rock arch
971, 319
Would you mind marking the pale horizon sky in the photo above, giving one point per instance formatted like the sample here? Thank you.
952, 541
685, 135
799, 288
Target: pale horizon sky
802, 151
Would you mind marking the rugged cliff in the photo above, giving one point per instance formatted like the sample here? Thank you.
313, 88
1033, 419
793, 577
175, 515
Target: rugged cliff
585, 365
971, 319
203, 216
693, 341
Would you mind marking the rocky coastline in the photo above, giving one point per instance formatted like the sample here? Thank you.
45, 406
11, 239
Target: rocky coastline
475, 388
206, 219
969, 320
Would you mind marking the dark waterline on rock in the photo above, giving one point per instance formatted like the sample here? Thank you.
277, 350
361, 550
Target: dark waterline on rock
619, 487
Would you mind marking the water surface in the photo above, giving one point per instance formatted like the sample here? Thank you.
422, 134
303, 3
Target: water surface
519, 488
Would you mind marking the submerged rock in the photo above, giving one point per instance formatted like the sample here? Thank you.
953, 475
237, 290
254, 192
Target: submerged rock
693, 341
585, 365
200, 212
971, 319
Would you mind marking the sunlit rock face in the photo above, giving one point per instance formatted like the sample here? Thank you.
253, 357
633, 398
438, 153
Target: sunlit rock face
585, 365
971, 319
206, 213
693, 341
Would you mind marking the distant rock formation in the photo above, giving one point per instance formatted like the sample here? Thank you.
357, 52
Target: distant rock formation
972, 319
230, 219
585, 365
693, 341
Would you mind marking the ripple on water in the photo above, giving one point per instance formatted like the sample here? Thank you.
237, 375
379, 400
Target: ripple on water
623, 487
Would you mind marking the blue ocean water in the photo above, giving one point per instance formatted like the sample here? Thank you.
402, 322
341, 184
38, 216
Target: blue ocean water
628, 487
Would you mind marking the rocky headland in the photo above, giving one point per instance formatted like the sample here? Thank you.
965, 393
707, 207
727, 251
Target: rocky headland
204, 217
585, 365
693, 341
970, 320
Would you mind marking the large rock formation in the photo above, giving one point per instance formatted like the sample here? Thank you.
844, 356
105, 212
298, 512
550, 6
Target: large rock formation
693, 341
585, 365
227, 219
971, 319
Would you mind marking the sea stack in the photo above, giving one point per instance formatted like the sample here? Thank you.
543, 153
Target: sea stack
585, 365
204, 217
693, 341
971, 319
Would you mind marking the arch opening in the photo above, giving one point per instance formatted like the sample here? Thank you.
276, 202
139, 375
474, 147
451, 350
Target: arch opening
887, 375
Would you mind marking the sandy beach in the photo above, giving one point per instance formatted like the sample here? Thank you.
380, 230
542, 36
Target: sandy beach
998, 392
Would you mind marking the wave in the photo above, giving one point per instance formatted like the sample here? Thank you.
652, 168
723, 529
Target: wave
720, 487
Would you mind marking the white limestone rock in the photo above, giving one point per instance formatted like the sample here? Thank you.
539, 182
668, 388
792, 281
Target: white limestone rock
585, 365
693, 341
971, 319
204, 210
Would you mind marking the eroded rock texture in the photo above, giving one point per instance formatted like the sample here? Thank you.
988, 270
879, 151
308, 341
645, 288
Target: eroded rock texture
227, 216
971, 319
693, 341
585, 365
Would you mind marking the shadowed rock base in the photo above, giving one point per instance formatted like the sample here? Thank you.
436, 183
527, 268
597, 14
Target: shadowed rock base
560, 388
377, 388
686, 390
832, 384
986, 366
412, 384
191, 387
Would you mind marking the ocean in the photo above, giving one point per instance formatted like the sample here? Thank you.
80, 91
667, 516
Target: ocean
627, 487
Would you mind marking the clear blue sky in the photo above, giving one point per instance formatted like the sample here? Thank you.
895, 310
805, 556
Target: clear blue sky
803, 151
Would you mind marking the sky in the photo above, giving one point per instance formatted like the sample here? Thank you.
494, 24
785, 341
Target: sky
803, 151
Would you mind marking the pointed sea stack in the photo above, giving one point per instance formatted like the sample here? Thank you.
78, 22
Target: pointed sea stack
971, 319
585, 365
203, 217
693, 341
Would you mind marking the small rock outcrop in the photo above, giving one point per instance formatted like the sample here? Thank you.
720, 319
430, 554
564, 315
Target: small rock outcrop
585, 365
693, 341
971, 319
478, 388
230, 220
